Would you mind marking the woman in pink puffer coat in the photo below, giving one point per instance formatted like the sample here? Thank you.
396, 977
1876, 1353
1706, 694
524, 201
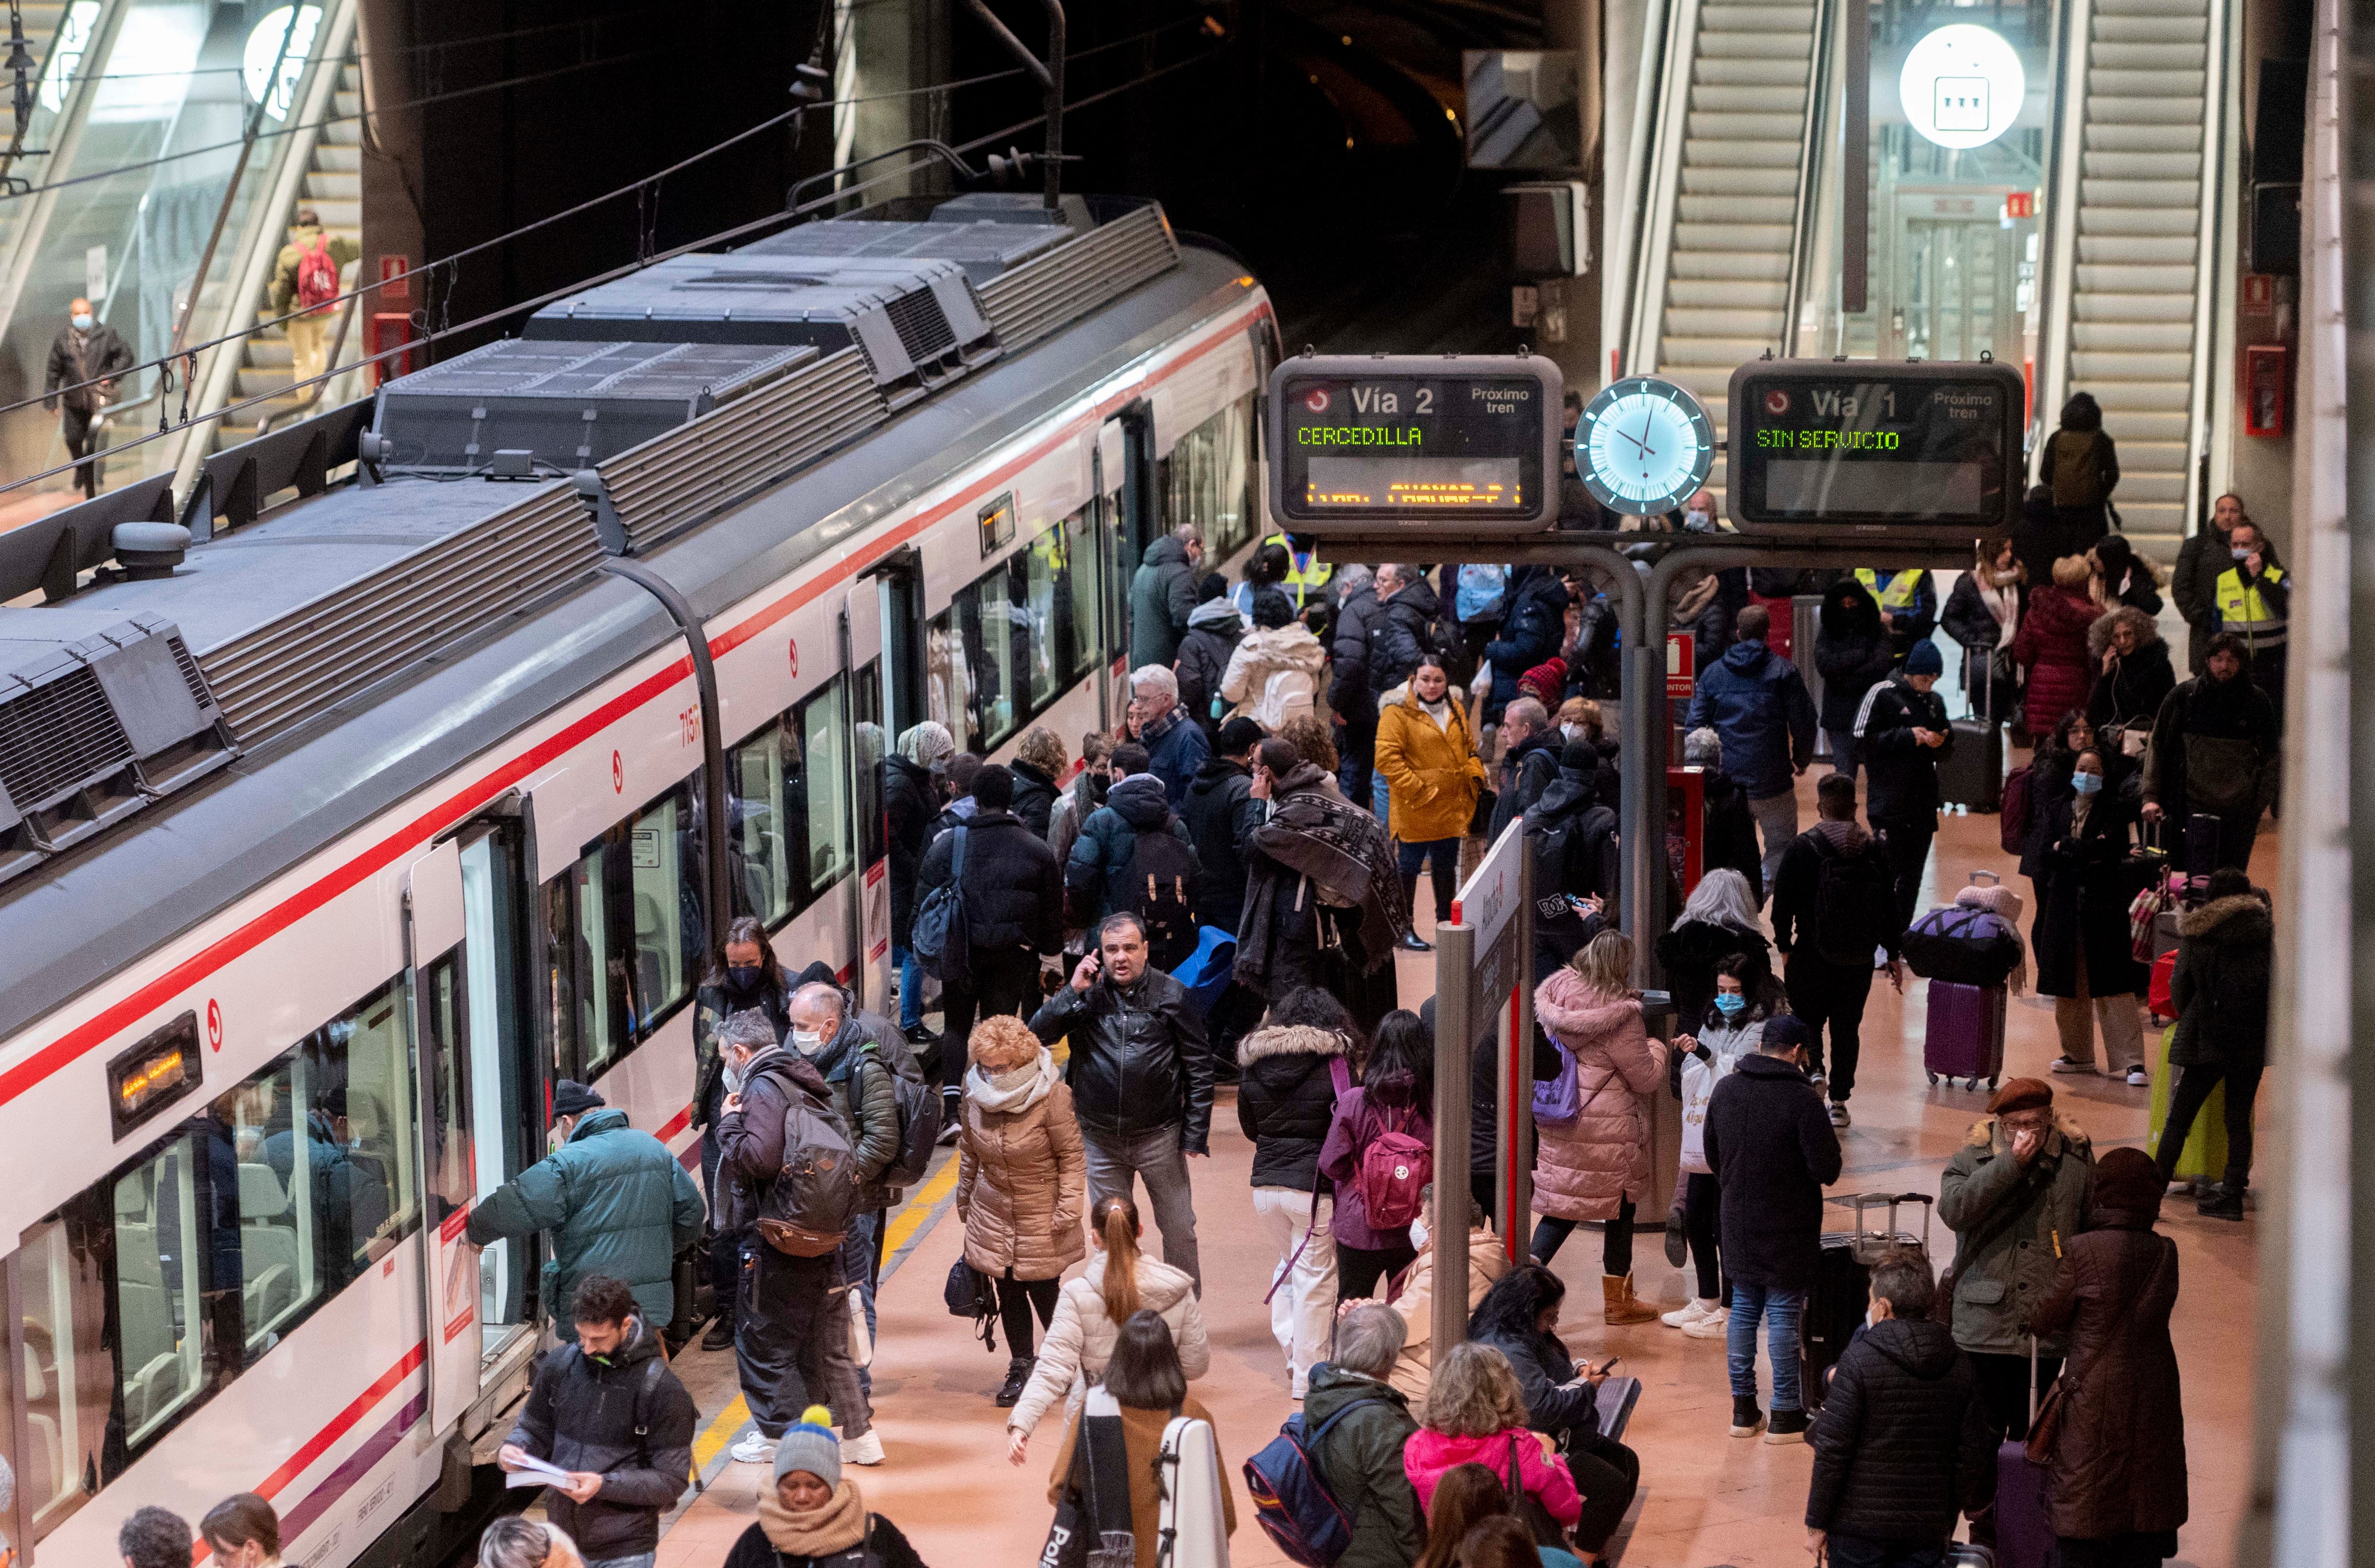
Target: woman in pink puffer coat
1597, 1167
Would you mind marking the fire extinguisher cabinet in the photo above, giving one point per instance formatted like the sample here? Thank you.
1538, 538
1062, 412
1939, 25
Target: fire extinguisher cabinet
2267, 389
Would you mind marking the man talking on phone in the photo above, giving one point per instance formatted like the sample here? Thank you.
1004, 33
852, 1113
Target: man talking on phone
1142, 1078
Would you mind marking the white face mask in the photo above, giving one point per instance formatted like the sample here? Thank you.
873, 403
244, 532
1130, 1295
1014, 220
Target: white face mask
808, 1041
1698, 522
1573, 732
733, 1075
1418, 1233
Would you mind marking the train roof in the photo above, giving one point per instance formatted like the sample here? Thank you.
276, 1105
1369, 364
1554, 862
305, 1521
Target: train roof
364, 739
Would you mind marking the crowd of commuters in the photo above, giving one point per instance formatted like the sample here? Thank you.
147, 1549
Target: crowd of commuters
1212, 894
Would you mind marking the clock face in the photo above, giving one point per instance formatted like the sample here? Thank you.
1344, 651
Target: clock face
1644, 446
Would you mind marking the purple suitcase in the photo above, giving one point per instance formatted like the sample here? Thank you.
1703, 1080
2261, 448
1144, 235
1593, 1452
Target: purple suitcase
2024, 1538
1964, 1035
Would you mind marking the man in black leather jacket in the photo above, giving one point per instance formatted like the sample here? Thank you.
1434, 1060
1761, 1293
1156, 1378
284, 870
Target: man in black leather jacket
1141, 1080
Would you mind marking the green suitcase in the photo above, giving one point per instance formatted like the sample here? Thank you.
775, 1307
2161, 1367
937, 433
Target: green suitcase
2203, 1158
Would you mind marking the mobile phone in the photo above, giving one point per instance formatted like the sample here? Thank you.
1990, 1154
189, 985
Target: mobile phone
1601, 1370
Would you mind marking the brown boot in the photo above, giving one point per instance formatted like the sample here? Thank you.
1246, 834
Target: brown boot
1623, 1305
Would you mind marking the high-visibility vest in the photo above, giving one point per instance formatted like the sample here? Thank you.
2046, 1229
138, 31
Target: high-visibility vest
1304, 580
2246, 612
1903, 588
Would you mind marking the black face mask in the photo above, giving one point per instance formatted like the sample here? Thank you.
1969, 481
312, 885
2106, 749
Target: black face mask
1098, 785
742, 977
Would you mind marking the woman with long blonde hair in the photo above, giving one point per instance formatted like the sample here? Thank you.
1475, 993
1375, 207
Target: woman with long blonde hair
1120, 1280
1594, 1162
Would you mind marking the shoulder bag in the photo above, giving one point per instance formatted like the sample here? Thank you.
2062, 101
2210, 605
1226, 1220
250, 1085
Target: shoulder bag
2045, 1426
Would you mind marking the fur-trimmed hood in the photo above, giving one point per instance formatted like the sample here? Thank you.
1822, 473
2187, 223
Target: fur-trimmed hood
2241, 918
2098, 636
1290, 1040
1565, 1005
1983, 1131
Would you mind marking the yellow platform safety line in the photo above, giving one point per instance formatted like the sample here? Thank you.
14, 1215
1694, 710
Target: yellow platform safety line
902, 1228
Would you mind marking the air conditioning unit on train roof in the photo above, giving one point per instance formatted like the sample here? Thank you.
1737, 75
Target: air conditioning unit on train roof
982, 247
572, 404
916, 319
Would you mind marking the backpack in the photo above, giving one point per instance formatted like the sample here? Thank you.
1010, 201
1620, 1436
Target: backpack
1393, 1169
1570, 858
920, 1108
1855, 904
317, 275
1482, 592
1292, 1500
942, 940
1161, 894
2011, 827
1286, 694
2077, 471
806, 1211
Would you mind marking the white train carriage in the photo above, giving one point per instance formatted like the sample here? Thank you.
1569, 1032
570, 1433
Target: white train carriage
280, 996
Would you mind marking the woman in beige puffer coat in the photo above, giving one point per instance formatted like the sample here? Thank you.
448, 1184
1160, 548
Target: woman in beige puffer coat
1020, 1174
1597, 1166
1090, 1312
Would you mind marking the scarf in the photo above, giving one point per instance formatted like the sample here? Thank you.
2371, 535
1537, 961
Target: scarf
1846, 837
1009, 1093
2002, 599
836, 1526
1313, 832
1439, 711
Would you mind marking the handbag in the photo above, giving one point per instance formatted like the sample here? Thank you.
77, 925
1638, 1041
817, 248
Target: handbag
1530, 1510
2045, 1422
969, 1293
1480, 821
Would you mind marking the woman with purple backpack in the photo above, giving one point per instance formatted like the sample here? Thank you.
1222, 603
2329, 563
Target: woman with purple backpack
1380, 1154
1296, 1067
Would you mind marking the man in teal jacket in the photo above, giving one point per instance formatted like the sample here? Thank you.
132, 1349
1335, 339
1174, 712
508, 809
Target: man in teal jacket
615, 1199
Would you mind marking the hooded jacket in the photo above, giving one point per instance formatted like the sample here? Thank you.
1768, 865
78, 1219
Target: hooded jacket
1263, 655
751, 1140
1904, 783
1313, 834
2225, 954
1430, 1453
1362, 1463
1175, 747
911, 799
1022, 1177
1433, 774
2009, 1223
1852, 652
1139, 1062
1404, 633
614, 1200
582, 1414
1222, 814
1528, 770
1287, 1102
1080, 1338
1532, 629
1013, 889
862, 1097
1098, 872
1574, 852
1902, 1445
1773, 1150
2118, 1466
2132, 691
1034, 798
2081, 905
2052, 645
1352, 646
1584, 1170
2214, 749
1357, 1123
1162, 599
1212, 637
1758, 701
1730, 829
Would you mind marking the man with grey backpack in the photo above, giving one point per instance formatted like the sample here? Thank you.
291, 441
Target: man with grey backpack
793, 1194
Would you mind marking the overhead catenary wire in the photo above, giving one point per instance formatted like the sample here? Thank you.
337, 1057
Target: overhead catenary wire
427, 270
489, 318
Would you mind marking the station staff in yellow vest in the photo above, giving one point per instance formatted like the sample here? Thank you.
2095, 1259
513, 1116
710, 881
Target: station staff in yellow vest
1307, 574
2255, 601
1908, 605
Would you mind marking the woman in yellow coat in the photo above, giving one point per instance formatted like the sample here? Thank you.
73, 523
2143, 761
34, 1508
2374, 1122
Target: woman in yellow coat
1427, 754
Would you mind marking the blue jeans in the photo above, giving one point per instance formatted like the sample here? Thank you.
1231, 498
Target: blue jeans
911, 987
857, 1267
641, 1559
1781, 1310
1379, 802
1854, 1551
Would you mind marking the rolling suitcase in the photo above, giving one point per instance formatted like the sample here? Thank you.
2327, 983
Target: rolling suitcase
1964, 1036
1842, 1292
2203, 1158
2200, 844
2024, 1538
1971, 774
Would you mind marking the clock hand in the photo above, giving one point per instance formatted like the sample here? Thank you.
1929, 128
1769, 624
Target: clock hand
1642, 440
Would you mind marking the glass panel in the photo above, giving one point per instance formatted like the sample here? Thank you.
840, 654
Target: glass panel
596, 982
627, 931
351, 1079
766, 852
817, 794
161, 1262
1088, 635
1046, 599
948, 681
70, 1394
986, 614
1207, 480
499, 1057
277, 1200
873, 839
444, 1058
666, 927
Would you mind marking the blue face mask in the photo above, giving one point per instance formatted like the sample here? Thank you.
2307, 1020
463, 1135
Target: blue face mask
1729, 1003
2087, 783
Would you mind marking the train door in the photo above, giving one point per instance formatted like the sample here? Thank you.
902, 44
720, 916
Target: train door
863, 617
1127, 521
482, 1093
889, 691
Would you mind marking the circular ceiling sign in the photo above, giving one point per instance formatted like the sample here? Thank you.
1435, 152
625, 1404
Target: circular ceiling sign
1962, 85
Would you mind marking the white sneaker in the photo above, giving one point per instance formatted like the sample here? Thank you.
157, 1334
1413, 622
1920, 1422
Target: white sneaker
1690, 1312
1839, 1112
1714, 1325
2139, 1079
755, 1449
867, 1450
2069, 1065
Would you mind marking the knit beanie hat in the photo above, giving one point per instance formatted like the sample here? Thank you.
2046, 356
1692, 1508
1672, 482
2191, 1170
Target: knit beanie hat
809, 1444
1925, 659
571, 1098
1546, 682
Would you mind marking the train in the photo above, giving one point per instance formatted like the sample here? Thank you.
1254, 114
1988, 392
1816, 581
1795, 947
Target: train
285, 981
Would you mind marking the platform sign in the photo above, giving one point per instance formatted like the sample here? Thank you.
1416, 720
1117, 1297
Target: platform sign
1362, 441
1839, 448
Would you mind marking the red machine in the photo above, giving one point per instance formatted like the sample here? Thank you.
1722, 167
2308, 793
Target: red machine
1686, 825
2267, 389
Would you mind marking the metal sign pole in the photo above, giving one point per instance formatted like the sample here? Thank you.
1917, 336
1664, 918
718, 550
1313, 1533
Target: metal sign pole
1513, 1171
1455, 1037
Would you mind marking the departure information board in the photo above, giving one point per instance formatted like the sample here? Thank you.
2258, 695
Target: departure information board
1359, 442
1822, 446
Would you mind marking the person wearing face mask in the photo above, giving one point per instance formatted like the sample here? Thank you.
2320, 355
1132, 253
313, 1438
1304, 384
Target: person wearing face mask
86, 358
2084, 957
743, 976
1731, 1029
242, 1531
2254, 603
613, 1200
860, 1084
611, 1414
2205, 558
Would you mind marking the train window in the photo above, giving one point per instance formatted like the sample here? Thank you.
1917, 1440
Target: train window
995, 640
823, 722
873, 745
174, 1277
948, 682
791, 827
1089, 619
1019, 641
1207, 480
626, 923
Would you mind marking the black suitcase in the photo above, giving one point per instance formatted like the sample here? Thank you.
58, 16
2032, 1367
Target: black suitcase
1971, 774
1842, 1292
2200, 844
